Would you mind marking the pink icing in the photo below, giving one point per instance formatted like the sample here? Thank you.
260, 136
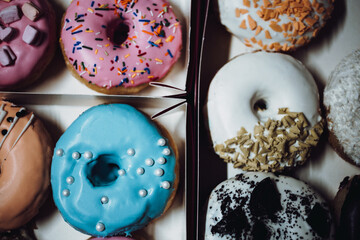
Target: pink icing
29, 58
143, 57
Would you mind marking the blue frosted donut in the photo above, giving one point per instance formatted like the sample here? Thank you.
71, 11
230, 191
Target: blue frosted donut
113, 171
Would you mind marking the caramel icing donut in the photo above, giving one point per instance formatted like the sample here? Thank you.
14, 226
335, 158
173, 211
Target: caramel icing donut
263, 112
119, 48
342, 102
118, 163
28, 37
347, 209
271, 25
266, 207
25, 157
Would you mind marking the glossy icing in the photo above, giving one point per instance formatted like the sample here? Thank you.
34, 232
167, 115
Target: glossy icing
290, 221
152, 45
277, 79
94, 175
25, 156
274, 25
29, 58
347, 210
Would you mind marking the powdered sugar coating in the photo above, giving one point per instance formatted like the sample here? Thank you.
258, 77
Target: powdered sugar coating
342, 100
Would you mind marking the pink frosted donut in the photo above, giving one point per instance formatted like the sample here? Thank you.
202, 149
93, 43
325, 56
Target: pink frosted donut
119, 46
27, 34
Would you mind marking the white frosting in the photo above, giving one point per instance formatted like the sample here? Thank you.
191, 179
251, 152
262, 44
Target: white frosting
279, 79
229, 19
296, 197
342, 99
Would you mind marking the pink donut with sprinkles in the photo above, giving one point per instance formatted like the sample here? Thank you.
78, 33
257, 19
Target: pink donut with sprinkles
119, 46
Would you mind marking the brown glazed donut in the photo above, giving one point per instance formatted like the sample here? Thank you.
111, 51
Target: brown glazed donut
25, 157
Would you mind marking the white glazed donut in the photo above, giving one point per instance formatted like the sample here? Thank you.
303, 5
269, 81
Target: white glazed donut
280, 25
342, 101
247, 95
264, 206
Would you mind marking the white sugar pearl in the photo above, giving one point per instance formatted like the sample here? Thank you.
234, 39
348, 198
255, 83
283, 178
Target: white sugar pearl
75, 155
161, 142
149, 162
165, 185
88, 155
159, 172
60, 152
140, 171
66, 192
131, 152
121, 172
104, 200
100, 227
70, 180
142, 193
166, 151
161, 160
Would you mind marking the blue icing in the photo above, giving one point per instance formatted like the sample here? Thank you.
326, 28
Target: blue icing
103, 193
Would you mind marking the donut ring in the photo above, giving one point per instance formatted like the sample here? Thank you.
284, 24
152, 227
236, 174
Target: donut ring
25, 157
28, 43
265, 206
120, 48
116, 162
263, 112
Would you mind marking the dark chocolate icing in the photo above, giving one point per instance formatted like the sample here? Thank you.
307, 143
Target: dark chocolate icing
349, 226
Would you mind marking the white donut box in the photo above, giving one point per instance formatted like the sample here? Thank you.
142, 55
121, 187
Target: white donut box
58, 99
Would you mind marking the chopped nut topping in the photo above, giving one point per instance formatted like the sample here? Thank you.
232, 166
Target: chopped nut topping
274, 145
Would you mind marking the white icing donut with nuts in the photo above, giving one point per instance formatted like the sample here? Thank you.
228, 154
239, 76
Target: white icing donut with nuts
263, 112
280, 25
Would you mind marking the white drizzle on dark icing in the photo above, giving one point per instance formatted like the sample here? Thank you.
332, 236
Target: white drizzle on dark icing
18, 115
2, 113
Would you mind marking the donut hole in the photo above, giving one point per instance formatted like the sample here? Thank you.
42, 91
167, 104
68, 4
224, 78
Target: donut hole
117, 31
103, 171
260, 105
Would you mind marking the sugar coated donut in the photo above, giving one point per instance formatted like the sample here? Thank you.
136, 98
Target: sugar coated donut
280, 25
25, 157
116, 162
263, 112
347, 209
27, 34
342, 102
264, 206
119, 48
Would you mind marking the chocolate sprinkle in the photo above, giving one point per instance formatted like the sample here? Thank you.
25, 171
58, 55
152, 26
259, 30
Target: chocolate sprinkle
265, 199
232, 224
4, 132
21, 113
260, 231
319, 220
10, 119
